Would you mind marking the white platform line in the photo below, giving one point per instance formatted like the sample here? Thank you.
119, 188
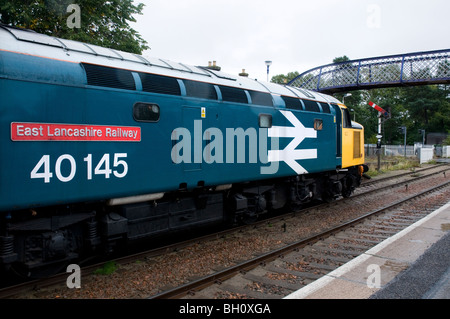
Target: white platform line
325, 280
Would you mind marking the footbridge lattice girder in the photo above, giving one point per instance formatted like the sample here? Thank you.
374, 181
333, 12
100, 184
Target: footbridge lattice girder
421, 68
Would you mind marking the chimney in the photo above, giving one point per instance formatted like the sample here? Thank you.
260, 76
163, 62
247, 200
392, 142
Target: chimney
214, 66
243, 73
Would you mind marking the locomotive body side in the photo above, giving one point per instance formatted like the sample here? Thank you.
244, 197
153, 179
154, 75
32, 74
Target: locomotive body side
72, 142
98, 149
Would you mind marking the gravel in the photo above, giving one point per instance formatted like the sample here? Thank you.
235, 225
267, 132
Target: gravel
150, 275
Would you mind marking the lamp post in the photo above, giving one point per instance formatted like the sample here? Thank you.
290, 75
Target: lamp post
268, 63
346, 95
402, 129
421, 131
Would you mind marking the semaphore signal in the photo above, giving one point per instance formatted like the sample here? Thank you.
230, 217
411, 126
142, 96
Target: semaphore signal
379, 109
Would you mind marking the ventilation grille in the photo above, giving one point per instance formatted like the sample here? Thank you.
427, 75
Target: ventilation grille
159, 84
200, 90
311, 106
231, 94
261, 98
357, 145
109, 77
325, 108
292, 103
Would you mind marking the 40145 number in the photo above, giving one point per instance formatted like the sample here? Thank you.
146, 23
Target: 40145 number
44, 169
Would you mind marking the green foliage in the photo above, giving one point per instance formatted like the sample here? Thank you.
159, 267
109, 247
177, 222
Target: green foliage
446, 141
394, 163
107, 269
343, 58
284, 79
103, 22
418, 108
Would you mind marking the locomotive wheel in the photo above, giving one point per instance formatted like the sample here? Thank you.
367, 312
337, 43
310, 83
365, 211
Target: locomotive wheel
347, 193
249, 218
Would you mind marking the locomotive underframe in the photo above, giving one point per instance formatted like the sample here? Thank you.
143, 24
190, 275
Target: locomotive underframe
37, 239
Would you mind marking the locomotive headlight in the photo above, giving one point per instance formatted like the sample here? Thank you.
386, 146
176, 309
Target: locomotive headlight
155, 108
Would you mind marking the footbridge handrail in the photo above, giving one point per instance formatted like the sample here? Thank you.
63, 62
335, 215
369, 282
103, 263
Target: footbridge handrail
419, 68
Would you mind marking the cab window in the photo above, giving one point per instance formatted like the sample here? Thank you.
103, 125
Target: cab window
146, 112
347, 120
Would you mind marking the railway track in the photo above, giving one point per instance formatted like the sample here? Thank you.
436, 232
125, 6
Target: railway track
220, 275
403, 179
282, 271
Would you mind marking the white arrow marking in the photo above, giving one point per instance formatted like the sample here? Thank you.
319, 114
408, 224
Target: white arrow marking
290, 154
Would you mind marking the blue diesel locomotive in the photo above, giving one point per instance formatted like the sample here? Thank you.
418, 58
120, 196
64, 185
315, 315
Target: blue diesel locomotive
99, 148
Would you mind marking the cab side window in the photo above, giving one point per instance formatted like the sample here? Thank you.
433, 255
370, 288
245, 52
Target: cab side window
347, 120
146, 112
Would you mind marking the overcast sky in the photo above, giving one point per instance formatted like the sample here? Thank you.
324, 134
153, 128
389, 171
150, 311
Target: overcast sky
296, 35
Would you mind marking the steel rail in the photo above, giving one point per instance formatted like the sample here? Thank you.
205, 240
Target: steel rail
87, 270
383, 179
204, 282
407, 182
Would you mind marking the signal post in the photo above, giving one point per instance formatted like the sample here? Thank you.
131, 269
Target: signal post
379, 136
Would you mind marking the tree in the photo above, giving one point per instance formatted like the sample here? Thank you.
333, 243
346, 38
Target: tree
417, 108
284, 79
340, 59
102, 22
390, 100
447, 140
429, 107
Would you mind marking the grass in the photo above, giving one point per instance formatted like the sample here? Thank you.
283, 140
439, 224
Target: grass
393, 163
107, 269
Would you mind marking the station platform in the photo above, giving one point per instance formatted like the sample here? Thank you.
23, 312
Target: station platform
413, 264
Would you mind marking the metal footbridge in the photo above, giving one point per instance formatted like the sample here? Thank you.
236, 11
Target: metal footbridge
421, 68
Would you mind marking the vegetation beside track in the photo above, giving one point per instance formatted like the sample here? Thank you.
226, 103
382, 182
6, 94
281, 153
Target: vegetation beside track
391, 163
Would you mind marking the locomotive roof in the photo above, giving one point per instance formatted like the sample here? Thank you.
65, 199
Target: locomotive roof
33, 43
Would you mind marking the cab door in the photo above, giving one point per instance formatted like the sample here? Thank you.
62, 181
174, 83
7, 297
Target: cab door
338, 112
352, 140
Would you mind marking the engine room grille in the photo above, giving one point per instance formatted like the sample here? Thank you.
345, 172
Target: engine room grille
109, 77
231, 94
155, 83
292, 103
261, 98
357, 145
200, 89
325, 107
311, 106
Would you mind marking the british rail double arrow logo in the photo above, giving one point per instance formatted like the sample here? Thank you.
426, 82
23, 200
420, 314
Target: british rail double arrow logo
290, 154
